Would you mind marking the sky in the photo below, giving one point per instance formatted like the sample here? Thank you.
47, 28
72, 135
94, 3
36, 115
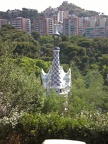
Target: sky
40, 5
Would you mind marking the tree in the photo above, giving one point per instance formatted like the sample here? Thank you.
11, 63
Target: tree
85, 43
36, 35
53, 103
88, 94
64, 38
21, 91
23, 43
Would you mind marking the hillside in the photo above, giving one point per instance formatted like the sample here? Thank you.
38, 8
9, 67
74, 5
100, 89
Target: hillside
74, 9
33, 13
25, 12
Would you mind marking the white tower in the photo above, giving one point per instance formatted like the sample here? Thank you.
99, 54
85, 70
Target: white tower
56, 78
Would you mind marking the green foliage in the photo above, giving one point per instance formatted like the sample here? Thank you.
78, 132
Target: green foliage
86, 53
47, 50
29, 13
45, 39
85, 43
53, 103
25, 12
87, 93
23, 43
64, 38
21, 90
35, 128
36, 35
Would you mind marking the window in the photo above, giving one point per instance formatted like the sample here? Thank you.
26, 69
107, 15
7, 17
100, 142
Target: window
60, 90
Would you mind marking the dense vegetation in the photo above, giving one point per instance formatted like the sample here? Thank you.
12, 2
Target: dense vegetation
26, 13
28, 114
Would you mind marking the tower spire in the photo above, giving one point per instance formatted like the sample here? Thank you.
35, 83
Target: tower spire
56, 81
56, 78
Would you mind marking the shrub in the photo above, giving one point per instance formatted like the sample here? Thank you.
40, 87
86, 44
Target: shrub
35, 128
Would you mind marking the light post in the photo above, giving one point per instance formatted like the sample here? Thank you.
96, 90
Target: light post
56, 37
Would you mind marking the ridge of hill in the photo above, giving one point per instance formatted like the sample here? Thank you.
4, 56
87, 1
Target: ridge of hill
76, 10
33, 13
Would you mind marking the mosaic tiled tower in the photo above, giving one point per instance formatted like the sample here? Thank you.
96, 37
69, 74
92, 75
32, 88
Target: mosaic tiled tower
56, 78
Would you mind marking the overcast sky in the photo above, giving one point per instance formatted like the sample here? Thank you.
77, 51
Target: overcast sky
40, 5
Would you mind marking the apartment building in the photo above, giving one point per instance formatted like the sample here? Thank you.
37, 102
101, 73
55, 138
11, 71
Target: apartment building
93, 21
106, 28
96, 28
106, 31
100, 31
65, 27
38, 25
70, 26
49, 26
43, 25
102, 21
55, 18
22, 24
3, 22
28, 26
80, 26
73, 26
86, 23
90, 32
60, 16
65, 14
